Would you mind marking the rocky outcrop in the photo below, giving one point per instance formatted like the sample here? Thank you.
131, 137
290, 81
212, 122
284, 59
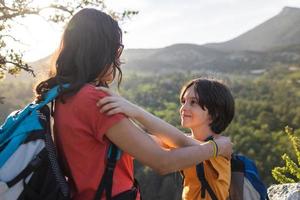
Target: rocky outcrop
284, 191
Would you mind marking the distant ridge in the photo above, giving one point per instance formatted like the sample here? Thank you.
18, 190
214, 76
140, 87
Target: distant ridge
281, 30
274, 42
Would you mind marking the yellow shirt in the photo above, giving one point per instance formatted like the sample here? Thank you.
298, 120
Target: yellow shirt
217, 173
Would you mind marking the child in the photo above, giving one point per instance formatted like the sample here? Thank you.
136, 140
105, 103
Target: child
207, 108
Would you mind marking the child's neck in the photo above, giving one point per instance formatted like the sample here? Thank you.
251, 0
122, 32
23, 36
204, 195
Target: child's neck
201, 133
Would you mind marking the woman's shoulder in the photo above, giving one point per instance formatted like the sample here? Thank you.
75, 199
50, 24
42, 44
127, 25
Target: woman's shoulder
89, 92
86, 97
84, 102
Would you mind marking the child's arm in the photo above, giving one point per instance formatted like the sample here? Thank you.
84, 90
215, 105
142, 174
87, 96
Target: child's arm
153, 137
160, 142
168, 134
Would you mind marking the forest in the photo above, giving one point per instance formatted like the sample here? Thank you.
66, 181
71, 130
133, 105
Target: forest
263, 75
265, 104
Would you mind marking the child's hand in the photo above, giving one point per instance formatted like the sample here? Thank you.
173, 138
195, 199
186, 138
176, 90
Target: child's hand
224, 145
114, 104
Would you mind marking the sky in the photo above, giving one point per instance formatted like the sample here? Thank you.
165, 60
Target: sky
163, 23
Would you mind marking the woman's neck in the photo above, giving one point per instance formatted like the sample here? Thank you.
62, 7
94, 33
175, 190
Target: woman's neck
202, 132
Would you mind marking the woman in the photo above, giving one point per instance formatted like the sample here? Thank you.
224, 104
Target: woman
88, 57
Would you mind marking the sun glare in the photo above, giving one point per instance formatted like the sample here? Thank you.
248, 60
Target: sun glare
38, 38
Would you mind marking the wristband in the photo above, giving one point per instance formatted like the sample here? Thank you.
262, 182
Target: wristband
215, 148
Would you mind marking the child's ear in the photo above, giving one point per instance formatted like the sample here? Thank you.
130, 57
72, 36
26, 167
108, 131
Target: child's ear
210, 118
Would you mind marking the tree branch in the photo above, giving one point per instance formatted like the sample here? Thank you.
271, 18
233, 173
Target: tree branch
59, 7
21, 13
24, 67
4, 7
12, 37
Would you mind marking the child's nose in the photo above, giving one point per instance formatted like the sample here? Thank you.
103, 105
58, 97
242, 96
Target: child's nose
184, 107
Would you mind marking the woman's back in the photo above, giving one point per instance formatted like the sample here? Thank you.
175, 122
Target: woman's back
80, 136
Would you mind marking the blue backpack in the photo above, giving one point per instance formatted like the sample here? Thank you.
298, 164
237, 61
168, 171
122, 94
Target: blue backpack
29, 167
28, 161
245, 181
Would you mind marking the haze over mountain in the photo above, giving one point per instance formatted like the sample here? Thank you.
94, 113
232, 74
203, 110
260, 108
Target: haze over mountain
281, 30
274, 42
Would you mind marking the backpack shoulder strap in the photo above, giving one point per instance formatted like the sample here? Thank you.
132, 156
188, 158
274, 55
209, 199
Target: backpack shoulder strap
201, 176
51, 95
204, 184
113, 155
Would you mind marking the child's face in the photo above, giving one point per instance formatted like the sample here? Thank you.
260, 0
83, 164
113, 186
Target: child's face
191, 113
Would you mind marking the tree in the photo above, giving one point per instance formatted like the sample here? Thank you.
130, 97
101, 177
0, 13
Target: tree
11, 60
290, 173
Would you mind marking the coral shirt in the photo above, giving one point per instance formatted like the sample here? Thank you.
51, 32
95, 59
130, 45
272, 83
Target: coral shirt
217, 173
79, 130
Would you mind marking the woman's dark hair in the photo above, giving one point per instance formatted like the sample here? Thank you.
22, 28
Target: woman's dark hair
216, 97
91, 44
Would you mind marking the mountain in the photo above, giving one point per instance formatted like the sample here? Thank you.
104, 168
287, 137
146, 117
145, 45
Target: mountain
175, 57
281, 30
190, 57
275, 42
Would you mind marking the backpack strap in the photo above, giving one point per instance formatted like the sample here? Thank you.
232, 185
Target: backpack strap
201, 176
204, 184
129, 194
52, 154
33, 165
50, 96
113, 155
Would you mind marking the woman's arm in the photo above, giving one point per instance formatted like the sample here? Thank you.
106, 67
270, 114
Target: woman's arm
135, 142
167, 133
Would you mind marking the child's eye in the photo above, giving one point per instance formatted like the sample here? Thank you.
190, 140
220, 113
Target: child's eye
193, 102
182, 101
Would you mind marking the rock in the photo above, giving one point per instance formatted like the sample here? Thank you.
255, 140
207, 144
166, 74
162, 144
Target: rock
289, 191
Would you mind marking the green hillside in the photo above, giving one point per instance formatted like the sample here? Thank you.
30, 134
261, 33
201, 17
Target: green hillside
265, 104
